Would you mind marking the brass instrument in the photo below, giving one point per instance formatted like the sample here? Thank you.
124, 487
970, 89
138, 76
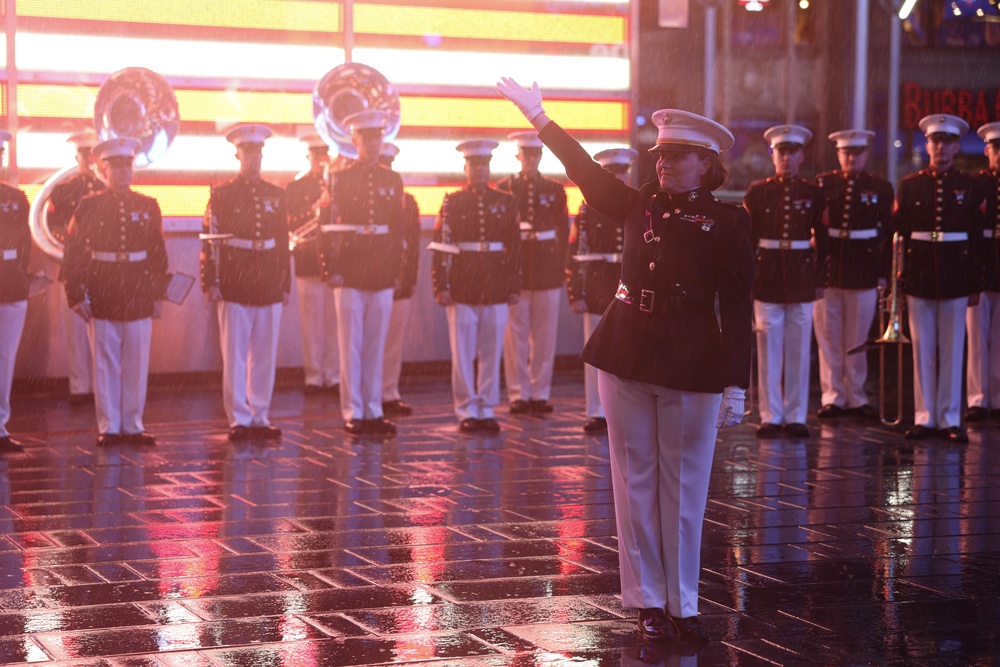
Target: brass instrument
133, 102
345, 90
891, 309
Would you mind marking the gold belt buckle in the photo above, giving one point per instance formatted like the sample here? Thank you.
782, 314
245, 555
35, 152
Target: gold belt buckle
483, 246
935, 236
257, 244
844, 233
121, 256
646, 300
785, 244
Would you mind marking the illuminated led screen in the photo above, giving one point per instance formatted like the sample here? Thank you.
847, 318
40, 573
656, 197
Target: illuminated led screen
258, 61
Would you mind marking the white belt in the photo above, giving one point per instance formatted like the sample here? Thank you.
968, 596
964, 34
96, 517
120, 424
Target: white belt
138, 256
359, 229
939, 237
989, 234
480, 246
8, 254
853, 234
784, 244
613, 257
545, 235
252, 244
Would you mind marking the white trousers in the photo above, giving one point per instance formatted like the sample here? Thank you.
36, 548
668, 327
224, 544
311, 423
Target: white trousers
78, 352
983, 371
121, 373
937, 329
362, 326
593, 397
843, 318
476, 332
249, 336
529, 350
662, 442
11, 326
392, 366
318, 322
784, 331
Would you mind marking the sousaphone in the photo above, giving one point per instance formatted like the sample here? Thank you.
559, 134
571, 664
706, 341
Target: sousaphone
133, 102
348, 89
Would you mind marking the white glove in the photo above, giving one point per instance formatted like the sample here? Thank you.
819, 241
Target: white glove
528, 101
731, 410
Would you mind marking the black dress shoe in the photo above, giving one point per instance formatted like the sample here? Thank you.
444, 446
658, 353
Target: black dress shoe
239, 433
332, 389
356, 426
797, 430
769, 431
976, 414
312, 390
863, 412
489, 425
655, 626
468, 425
595, 425
397, 409
690, 629
918, 432
956, 434
8, 444
540, 407
265, 432
139, 438
830, 412
382, 426
108, 439
520, 407
81, 399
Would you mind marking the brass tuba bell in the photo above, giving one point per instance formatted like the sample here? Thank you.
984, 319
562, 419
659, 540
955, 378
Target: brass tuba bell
133, 102
348, 89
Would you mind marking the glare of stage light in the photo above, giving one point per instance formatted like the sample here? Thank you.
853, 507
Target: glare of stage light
803, 4
904, 11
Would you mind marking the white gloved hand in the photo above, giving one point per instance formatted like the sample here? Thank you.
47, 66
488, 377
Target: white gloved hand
528, 101
731, 410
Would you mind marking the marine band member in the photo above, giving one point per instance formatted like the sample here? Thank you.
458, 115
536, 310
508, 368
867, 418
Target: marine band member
983, 320
62, 205
15, 248
786, 217
530, 342
393, 404
309, 202
859, 208
249, 281
361, 251
115, 270
939, 215
592, 271
476, 276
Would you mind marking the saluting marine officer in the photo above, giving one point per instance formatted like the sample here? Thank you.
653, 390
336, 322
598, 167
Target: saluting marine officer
393, 404
476, 277
62, 205
115, 269
15, 247
530, 343
859, 207
786, 217
309, 204
983, 320
592, 271
939, 214
361, 251
249, 276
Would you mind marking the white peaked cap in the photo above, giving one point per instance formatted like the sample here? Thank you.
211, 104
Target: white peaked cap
477, 148
943, 123
787, 134
526, 139
989, 132
249, 134
117, 147
678, 128
369, 119
851, 138
613, 156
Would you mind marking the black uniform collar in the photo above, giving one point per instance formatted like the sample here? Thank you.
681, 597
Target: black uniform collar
940, 175
683, 197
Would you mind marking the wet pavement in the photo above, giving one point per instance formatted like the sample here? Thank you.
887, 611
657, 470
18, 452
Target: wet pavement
853, 547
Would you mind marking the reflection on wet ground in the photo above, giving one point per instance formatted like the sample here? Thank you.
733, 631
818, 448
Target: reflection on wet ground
853, 547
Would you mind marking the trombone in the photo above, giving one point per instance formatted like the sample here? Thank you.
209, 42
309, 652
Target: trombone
890, 322
306, 232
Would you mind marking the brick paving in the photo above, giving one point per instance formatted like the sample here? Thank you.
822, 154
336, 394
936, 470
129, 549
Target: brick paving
439, 548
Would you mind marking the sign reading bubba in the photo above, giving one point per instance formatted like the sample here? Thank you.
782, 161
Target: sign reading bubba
977, 107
